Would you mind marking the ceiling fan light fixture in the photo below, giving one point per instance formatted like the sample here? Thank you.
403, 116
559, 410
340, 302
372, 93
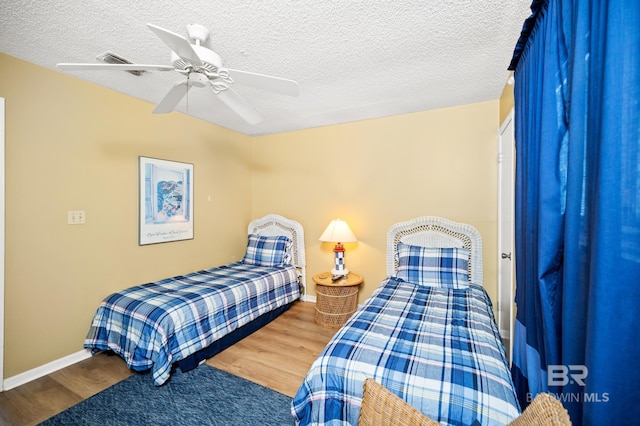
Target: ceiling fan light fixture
197, 79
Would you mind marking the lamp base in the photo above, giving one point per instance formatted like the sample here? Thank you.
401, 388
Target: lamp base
339, 273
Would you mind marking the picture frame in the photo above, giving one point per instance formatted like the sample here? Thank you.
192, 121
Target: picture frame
166, 201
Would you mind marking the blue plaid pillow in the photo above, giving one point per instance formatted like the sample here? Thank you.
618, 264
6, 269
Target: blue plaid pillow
445, 267
267, 250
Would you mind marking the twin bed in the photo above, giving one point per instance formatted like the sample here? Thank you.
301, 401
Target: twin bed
179, 322
427, 333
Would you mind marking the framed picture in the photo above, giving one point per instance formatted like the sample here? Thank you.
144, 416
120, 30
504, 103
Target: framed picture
166, 201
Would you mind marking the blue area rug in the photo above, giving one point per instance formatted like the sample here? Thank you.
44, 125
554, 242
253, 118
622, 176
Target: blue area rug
202, 396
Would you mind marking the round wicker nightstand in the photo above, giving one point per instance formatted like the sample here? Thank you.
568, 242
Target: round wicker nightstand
335, 301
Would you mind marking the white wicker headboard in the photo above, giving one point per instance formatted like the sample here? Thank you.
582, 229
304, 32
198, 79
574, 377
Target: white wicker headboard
273, 224
432, 231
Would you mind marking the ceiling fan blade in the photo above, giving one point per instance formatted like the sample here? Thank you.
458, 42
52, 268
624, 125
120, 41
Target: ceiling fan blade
240, 106
171, 99
177, 43
121, 67
265, 82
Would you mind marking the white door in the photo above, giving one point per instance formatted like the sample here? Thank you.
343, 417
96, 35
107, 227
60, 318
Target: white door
506, 149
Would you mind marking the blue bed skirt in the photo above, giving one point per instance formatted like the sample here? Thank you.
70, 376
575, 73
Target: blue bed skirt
193, 360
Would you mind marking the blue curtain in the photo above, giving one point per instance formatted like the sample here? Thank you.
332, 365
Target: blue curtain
577, 104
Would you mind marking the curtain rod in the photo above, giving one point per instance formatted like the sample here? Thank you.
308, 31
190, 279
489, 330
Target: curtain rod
537, 9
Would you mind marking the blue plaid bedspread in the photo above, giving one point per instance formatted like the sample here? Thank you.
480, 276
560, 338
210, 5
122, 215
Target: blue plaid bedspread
154, 325
438, 349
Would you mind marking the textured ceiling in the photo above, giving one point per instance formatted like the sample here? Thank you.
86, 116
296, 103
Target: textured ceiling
353, 59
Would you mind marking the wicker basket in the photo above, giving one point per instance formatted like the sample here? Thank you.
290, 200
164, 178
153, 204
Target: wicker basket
381, 407
544, 410
335, 305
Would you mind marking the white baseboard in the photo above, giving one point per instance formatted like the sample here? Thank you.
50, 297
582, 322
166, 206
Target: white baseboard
43, 370
66, 361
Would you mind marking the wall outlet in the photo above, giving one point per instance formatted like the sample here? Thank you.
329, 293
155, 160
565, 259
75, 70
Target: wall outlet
75, 217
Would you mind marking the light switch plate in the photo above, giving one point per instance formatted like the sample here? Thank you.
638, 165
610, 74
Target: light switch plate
75, 217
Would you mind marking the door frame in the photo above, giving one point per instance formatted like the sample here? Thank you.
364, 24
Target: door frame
507, 125
2, 235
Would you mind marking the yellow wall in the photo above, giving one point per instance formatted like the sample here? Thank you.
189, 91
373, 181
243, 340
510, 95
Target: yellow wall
378, 172
506, 101
72, 145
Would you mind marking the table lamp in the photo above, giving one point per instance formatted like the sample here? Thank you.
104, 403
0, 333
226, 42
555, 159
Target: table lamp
338, 232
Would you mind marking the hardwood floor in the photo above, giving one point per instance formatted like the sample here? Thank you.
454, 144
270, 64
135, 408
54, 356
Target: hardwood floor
276, 356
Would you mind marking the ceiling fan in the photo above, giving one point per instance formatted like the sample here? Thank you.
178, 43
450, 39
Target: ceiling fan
202, 67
